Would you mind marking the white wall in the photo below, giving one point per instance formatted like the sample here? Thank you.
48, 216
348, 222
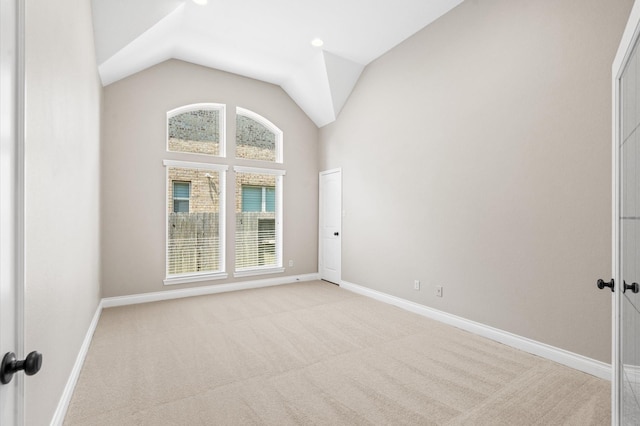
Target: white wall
476, 155
134, 182
63, 97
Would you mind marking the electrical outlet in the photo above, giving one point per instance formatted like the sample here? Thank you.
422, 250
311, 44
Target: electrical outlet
439, 291
416, 284
291, 264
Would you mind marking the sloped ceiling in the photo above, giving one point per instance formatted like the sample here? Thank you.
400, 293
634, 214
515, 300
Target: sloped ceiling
268, 40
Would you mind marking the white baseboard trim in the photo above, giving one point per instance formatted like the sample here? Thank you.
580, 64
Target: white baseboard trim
65, 399
110, 302
561, 356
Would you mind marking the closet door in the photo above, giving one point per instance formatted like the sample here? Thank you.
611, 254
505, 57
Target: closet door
330, 218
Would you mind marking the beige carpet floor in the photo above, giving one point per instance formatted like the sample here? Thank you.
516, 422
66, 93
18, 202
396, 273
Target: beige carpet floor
312, 353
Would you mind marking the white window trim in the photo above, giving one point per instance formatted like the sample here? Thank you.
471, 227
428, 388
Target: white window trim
194, 278
222, 108
249, 272
258, 170
222, 224
244, 272
194, 165
269, 125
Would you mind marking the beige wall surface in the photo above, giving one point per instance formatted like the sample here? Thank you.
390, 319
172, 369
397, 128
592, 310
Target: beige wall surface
134, 182
476, 156
62, 202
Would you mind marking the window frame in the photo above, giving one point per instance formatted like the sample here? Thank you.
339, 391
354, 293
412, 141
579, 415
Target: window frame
279, 135
222, 125
279, 189
191, 277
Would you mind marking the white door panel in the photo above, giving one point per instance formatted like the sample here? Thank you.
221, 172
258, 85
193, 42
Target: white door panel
330, 253
626, 223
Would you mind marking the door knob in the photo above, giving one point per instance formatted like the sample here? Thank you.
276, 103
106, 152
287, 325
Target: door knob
602, 284
634, 287
31, 365
336, 233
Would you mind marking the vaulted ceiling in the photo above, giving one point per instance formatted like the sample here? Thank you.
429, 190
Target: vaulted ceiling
268, 40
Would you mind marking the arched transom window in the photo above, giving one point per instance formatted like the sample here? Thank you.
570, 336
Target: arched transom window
196, 129
257, 138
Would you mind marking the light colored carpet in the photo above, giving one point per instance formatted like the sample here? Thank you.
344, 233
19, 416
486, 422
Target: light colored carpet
312, 353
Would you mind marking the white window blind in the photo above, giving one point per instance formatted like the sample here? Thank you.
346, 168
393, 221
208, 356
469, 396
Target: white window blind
258, 219
195, 240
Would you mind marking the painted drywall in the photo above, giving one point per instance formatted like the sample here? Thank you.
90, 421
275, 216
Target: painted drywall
476, 156
133, 176
62, 219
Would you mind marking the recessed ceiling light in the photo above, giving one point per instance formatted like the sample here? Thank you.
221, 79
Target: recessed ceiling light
317, 42
201, 2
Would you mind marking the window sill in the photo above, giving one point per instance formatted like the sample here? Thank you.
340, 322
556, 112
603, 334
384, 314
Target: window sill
262, 271
194, 278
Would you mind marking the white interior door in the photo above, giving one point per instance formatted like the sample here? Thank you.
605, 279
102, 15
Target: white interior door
626, 223
10, 134
330, 250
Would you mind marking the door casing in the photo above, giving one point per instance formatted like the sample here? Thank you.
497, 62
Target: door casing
12, 202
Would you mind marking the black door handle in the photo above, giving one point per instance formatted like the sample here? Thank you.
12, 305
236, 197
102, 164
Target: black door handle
634, 287
31, 365
336, 233
602, 284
